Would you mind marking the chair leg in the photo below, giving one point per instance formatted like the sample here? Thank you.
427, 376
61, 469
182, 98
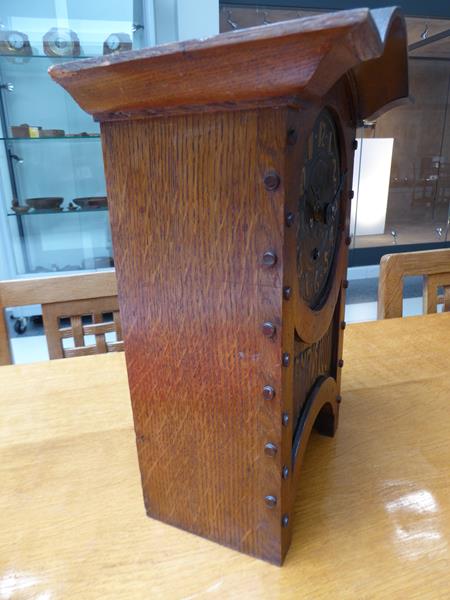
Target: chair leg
5, 351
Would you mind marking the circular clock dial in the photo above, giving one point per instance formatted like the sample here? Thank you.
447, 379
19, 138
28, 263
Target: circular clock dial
59, 42
113, 42
15, 41
62, 44
319, 209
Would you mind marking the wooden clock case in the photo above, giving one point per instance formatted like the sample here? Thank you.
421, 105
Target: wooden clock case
229, 368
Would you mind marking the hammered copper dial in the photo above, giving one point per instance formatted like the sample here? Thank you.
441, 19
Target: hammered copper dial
319, 210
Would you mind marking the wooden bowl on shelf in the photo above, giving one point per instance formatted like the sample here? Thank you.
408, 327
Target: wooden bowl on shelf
91, 202
45, 203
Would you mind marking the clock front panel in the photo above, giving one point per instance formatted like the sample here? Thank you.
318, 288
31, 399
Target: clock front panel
319, 202
311, 361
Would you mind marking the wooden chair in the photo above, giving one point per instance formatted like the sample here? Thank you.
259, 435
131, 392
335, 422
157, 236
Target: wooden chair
434, 265
65, 301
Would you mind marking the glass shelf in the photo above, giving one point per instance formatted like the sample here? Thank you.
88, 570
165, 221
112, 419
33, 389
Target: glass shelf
52, 58
32, 213
72, 168
91, 136
34, 98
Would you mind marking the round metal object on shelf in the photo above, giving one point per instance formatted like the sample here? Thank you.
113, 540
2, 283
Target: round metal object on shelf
61, 42
117, 42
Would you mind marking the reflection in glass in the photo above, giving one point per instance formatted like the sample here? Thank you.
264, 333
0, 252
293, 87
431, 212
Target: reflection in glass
419, 193
417, 205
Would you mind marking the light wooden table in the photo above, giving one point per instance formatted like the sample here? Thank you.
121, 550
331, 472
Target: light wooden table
373, 510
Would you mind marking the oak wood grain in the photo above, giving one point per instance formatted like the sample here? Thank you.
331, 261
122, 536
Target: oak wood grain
374, 499
193, 296
35, 290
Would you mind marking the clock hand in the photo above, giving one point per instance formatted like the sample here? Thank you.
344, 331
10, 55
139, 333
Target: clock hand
330, 208
339, 188
313, 204
338, 191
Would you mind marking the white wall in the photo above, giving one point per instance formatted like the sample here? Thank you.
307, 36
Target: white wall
184, 19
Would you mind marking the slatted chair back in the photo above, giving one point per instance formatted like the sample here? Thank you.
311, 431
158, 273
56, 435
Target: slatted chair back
433, 265
78, 312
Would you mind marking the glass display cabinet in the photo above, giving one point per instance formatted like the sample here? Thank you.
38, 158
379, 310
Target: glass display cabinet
53, 154
52, 182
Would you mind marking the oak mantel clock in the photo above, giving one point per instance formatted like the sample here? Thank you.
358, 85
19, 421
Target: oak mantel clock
229, 167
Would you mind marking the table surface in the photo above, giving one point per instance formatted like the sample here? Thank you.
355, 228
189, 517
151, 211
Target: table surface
372, 512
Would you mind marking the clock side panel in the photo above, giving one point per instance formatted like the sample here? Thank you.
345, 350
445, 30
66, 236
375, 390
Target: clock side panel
313, 322
197, 214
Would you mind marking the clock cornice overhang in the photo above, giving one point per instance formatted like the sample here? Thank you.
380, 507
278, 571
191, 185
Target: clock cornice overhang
242, 69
